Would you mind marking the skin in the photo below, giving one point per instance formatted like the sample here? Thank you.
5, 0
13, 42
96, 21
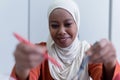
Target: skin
62, 27
27, 57
63, 30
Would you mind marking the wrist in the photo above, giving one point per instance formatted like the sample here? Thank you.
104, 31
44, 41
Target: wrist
108, 70
21, 73
109, 65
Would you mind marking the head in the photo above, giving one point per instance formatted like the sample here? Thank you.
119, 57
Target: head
63, 19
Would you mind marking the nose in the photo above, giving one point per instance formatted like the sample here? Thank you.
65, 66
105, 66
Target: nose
62, 30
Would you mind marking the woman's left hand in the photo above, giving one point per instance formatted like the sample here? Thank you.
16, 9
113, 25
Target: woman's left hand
103, 52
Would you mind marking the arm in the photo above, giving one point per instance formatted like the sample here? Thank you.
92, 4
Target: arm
32, 74
97, 72
108, 70
105, 53
116, 71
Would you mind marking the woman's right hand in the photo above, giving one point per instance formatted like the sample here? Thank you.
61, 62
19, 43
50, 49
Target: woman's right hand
27, 57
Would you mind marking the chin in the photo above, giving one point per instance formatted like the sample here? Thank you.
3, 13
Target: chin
64, 45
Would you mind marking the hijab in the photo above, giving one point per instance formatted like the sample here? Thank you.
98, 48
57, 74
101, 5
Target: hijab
70, 58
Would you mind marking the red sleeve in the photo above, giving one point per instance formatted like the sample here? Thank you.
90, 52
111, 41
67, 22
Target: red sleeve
95, 71
34, 74
116, 75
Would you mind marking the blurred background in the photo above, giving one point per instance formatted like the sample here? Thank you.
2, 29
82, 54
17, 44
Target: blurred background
99, 19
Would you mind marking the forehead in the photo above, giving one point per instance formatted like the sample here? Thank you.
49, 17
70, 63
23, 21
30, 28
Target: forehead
60, 13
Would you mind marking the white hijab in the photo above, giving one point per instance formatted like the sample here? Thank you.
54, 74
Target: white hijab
70, 58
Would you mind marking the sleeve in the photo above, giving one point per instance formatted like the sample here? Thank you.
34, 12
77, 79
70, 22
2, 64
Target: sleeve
116, 75
95, 71
33, 75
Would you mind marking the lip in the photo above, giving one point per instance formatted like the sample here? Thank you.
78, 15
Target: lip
63, 39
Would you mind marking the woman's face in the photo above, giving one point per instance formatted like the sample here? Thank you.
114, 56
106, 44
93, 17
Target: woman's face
63, 28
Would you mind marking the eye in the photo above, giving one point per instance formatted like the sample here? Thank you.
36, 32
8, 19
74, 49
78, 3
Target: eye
68, 24
54, 26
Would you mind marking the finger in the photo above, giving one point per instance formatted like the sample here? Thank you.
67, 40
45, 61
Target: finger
110, 52
38, 50
28, 56
99, 48
105, 57
25, 48
35, 58
100, 58
95, 49
20, 58
103, 42
98, 52
108, 47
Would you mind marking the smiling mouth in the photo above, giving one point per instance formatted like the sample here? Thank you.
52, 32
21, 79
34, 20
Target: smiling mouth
63, 40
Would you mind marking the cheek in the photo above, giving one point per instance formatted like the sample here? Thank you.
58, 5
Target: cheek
73, 32
52, 33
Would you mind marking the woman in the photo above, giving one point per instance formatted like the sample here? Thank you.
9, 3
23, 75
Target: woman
64, 46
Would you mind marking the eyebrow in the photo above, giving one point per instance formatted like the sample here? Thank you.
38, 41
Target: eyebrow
53, 21
65, 20
68, 19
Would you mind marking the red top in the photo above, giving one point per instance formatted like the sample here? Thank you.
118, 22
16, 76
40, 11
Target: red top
41, 72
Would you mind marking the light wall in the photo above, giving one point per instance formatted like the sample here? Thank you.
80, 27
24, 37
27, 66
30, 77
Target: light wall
13, 18
115, 29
